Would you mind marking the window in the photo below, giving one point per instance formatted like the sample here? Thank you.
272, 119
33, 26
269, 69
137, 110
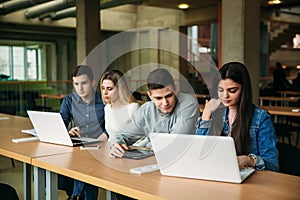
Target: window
296, 41
33, 64
4, 60
20, 63
203, 40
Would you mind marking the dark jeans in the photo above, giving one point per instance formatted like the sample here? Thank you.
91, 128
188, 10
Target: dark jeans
7, 192
89, 192
65, 183
123, 197
77, 188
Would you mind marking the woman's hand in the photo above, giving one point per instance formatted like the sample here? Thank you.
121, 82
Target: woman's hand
245, 161
210, 107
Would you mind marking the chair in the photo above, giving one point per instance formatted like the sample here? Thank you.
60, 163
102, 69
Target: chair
295, 122
137, 95
284, 131
289, 159
8, 192
30, 97
10, 110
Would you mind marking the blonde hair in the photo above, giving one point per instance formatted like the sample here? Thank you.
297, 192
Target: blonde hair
119, 81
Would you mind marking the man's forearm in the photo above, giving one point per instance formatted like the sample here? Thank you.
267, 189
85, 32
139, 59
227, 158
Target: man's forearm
124, 139
103, 137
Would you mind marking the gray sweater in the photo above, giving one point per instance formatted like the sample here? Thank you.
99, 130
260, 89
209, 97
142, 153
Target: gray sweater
149, 119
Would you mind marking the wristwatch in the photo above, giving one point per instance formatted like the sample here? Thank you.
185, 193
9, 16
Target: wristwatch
254, 158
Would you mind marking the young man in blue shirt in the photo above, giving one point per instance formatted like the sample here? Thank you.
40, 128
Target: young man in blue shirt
85, 110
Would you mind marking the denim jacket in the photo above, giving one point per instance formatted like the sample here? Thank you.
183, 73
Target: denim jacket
262, 138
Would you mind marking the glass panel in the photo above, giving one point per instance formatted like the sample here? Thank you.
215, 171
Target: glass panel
32, 64
193, 54
4, 62
18, 63
296, 41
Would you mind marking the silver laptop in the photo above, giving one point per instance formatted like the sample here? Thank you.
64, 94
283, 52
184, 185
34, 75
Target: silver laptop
50, 127
199, 157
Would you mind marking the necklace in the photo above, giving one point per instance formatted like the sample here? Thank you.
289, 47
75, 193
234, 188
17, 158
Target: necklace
231, 117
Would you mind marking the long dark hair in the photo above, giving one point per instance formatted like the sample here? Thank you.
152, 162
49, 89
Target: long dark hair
238, 73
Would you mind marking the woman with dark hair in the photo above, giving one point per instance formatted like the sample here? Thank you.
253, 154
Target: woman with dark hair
251, 127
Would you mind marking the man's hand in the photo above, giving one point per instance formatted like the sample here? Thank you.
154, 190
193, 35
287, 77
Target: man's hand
75, 131
118, 150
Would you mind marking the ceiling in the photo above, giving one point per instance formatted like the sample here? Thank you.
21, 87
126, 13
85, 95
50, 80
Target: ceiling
287, 6
47, 8
194, 4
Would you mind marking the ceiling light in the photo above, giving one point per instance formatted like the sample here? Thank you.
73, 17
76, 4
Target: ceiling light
273, 2
183, 6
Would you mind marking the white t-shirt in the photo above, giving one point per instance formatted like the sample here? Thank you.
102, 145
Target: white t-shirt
116, 120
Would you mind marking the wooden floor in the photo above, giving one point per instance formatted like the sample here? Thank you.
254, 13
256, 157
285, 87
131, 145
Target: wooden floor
14, 176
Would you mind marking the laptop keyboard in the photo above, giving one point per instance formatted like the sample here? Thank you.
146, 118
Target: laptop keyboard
246, 172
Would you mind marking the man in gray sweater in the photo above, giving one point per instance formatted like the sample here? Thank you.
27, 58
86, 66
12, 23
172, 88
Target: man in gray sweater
168, 112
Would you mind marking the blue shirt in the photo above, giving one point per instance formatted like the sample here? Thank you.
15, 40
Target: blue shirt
262, 138
88, 117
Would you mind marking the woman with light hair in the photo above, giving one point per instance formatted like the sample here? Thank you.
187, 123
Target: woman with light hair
120, 103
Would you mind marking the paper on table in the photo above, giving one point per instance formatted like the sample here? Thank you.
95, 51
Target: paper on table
27, 139
29, 131
144, 169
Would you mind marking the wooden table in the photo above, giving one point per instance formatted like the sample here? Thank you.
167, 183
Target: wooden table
283, 110
10, 128
84, 166
51, 96
285, 100
289, 92
112, 174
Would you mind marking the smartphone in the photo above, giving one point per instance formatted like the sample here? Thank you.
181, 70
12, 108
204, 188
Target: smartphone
138, 154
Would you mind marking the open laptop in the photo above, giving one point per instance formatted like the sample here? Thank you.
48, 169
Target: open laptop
50, 127
200, 157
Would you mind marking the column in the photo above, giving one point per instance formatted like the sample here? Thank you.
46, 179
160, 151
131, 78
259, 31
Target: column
240, 37
88, 27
